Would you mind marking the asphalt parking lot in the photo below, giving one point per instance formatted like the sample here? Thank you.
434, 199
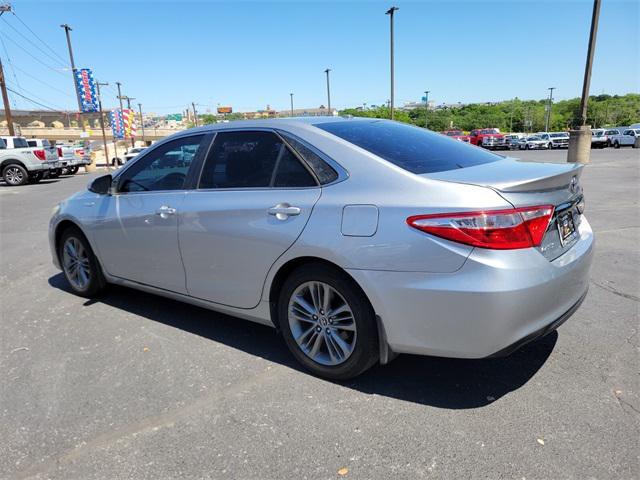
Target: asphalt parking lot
137, 386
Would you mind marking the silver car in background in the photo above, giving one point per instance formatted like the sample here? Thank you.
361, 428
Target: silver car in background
356, 238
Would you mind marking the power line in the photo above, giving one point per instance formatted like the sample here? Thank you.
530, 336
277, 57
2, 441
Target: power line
48, 55
10, 65
44, 83
32, 56
33, 101
36, 35
24, 90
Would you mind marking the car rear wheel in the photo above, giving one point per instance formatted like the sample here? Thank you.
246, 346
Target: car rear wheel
327, 322
616, 144
73, 170
55, 173
79, 264
15, 175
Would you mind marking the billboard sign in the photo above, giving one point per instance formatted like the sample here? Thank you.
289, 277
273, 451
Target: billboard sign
86, 89
223, 110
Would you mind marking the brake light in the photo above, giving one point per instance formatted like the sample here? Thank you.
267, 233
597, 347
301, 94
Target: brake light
60, 152
495, 229
80, 152
41, 154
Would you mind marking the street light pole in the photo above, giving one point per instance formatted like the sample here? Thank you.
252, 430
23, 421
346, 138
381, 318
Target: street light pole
328, 91
549, 103
580, 139
141, 122
291, 95
104, 135
426, 106
391, 12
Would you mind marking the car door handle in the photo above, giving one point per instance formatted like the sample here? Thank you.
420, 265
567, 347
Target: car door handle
282, 211
164, 211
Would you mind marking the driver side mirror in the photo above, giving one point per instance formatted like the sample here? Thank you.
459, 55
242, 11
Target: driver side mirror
101, 185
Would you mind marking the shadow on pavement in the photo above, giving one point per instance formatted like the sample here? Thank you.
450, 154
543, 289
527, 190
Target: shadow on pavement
439, 382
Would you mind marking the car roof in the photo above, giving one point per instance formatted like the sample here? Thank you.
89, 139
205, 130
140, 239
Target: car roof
277, 123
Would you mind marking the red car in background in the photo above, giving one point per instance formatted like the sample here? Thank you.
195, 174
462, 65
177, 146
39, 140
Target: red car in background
490, 138
457, 134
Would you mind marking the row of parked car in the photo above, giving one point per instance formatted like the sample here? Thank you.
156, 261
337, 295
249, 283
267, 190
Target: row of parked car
493, 139
30, 160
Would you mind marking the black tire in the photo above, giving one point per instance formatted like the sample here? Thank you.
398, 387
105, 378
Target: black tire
115, 161
96, 282
55, 173
73, 170
15, 175
616, 144
36, 177
526, 147
365, 352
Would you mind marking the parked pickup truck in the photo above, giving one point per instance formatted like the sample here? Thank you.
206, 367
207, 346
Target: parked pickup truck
490, 138
44, 144
626, 138
457, 135
72, 157
20, 163
555, 139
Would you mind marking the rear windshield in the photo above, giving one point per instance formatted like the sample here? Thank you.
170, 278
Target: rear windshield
414, 149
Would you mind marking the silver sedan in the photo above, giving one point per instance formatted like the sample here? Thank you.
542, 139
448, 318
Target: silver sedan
358, 239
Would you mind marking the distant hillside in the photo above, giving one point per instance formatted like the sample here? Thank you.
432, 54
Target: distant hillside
519, 115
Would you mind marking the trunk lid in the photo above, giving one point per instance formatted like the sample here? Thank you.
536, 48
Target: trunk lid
527, 184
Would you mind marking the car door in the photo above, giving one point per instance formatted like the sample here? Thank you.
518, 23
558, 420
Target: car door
137, 235
253, 200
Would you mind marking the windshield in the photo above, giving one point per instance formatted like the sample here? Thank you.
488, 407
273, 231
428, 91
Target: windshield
599, 133
559, 135
414, 149
489, 130
533, 139
452, 133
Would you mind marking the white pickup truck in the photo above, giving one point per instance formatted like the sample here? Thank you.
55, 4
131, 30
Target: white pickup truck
72, 157
20, 163
626, 138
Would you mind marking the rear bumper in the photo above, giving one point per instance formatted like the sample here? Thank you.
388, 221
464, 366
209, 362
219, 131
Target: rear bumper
494, 303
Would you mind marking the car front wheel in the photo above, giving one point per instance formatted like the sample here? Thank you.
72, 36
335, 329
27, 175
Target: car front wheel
327, 322
79, 263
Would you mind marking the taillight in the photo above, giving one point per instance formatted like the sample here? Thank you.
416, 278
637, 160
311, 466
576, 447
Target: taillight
41, 154
495, 229
60, 152
80, 152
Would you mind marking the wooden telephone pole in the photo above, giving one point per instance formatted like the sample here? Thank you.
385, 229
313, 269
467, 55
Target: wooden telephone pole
5, 101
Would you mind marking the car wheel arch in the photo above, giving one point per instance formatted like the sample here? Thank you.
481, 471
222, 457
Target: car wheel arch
66, 224
11, 161
386, 354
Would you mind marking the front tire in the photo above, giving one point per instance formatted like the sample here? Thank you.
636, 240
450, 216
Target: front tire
616, 144
79, 264
327, 322
15, 175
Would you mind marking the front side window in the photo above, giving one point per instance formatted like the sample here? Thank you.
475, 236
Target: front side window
163, 168
252, 159
411, 148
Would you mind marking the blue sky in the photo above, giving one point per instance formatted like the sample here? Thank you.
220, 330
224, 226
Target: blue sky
250, 54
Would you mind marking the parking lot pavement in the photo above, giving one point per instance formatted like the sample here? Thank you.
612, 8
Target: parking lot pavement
137, 386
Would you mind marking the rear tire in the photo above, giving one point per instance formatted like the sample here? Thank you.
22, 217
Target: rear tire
79, 264
73, 170
15, 175
326, 349
55, 173
616, 144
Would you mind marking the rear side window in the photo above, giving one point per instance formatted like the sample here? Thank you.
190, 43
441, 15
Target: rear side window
3, 144
32, 143
20, 143
252, 159
324, 171
412, 148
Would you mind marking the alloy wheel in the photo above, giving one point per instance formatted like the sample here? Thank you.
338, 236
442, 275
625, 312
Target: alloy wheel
322, 323
75, 260
14, 176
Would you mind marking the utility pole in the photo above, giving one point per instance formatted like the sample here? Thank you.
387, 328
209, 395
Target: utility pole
141, 123
195, 114
5, 101
549, 103
328, 91
291, 95
580, 139
120, 97
391, 12
426, 106
104, 134
67, 29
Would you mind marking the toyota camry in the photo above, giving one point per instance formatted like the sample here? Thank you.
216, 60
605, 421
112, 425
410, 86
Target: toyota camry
357, 239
